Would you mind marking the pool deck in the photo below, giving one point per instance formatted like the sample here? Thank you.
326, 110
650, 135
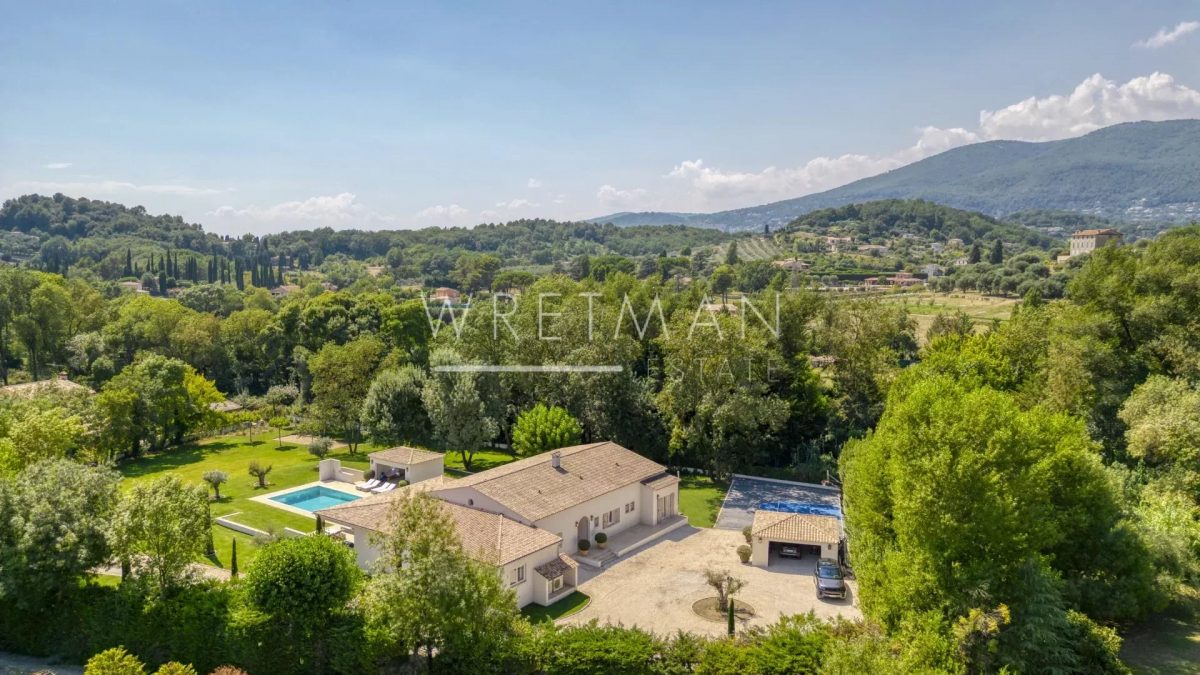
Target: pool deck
331, 484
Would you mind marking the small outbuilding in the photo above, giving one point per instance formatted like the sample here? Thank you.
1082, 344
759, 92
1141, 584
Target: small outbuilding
405, 463
807, 534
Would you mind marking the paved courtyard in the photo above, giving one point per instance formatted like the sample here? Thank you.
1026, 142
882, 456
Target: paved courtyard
745, 494
655, 586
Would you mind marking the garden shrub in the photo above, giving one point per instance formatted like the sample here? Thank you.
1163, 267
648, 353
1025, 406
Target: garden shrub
744, 553
115, 661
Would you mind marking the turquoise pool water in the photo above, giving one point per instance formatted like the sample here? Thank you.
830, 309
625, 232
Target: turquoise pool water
315, 498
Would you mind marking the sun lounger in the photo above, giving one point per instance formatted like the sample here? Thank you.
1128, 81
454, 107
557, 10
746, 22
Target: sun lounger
368, 485
386, 487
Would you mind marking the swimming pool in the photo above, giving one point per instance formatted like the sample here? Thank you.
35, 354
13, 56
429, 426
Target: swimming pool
801, 507
315, 498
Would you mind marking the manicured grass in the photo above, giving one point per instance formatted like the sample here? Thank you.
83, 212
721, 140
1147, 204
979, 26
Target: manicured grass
1168, 642
482, 461
291, 465
565, 607
700, 499
104, 580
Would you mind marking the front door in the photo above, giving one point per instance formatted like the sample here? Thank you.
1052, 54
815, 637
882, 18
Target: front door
585, 528
666, 507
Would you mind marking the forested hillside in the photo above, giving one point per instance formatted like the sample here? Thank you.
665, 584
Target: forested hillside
58, 232
1138, 172
916, 218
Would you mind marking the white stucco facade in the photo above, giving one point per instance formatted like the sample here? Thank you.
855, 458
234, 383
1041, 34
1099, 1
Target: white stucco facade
413, 473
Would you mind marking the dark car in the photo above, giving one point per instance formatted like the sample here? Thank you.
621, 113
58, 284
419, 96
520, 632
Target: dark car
789, 551
828, 579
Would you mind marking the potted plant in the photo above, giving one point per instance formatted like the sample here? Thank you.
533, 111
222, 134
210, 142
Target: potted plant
584, 545
743, 552
601, 540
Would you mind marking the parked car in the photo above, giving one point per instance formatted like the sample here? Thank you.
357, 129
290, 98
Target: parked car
789, 551
829, 580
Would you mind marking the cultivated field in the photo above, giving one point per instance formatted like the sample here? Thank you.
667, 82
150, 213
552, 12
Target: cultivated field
923, 307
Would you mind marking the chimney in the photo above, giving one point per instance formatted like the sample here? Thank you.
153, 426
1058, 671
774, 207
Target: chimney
556, 459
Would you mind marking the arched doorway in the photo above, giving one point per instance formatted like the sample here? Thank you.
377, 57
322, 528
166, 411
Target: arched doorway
585, 528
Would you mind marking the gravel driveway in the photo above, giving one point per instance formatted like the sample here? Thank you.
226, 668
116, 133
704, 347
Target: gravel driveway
655, 586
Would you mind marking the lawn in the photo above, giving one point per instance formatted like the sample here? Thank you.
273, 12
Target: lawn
984, 309
977, 306
1168, 642
482, 461
291, 465
700, 499
565, 607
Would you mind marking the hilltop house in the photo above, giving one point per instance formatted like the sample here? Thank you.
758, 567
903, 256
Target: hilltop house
1086, 241
527, 517
443, 293
39, 388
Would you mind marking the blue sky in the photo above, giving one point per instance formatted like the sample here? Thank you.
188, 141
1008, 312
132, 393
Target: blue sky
267, 116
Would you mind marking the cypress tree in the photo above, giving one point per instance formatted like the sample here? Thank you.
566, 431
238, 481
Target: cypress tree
233, 570
997, 255
731, 617
128, 263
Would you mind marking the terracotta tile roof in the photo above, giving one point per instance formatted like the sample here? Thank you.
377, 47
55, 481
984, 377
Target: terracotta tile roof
371, 511
224, 406
42, 387
402, 454
557, 567
660, 481
796, 527
496, 539
487, 537
534, 489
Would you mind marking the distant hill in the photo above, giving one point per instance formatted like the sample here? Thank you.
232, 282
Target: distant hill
104, 236
1136, 172
924, 221
631, 218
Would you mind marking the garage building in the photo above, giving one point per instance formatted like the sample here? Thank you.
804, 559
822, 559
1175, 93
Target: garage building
816, 536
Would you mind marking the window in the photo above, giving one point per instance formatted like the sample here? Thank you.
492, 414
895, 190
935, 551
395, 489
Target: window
518, 575
612, 517
630, 507
556, 585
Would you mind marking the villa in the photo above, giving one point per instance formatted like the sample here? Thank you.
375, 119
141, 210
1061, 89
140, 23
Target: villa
1084, 242
528, 517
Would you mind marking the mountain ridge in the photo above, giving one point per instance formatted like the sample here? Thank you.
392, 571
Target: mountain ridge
1135, 172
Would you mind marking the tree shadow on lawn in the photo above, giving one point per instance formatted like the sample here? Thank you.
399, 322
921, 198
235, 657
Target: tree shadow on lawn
184, 455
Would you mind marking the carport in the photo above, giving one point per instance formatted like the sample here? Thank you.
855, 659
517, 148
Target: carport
817, 535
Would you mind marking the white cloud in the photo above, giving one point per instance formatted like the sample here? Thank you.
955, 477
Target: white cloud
111, 187
611, 196
1095, 103
560, 199
1165, 37
58, 165
440, 212
534, 184
514, 204
332, 211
